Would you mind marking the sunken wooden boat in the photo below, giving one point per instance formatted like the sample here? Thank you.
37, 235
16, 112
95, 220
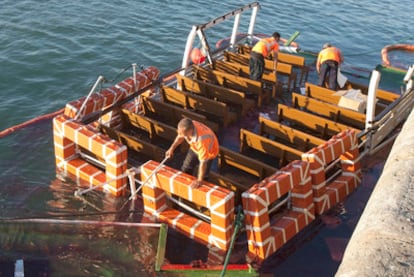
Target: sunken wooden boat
289, 150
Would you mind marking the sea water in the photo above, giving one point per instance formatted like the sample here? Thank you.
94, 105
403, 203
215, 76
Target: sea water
53, 51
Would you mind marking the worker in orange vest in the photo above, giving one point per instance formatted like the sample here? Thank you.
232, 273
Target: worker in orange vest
327, 65
261, 50
204, 148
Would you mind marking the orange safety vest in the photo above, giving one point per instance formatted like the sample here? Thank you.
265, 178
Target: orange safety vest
330, 53
206, 144
265, 46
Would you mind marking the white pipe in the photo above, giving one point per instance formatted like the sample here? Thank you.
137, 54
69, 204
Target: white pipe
188, 208
235, 28
131, 178
409, 74
92, 159
371, 100
188, 48
100, 78
278, 205
252, 21
408, 79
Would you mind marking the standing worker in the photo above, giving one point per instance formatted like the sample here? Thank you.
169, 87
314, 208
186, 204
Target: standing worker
327, 65
261, 50
204, 148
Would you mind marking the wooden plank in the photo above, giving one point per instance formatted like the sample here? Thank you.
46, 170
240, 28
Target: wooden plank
214, 110
284, 153
242, 70
153, 127
233, 82
173, 114
226, 95
151, 151
316, 124
286, 134
283, 69
330, 96
337, 114
244, 163
298, 62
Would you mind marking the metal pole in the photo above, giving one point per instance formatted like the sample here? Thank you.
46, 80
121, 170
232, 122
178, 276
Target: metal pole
235, 28
100, 78
149, 177
252, 22
80, 192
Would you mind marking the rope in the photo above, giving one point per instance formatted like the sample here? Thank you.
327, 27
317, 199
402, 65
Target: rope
17, 127
68, 215
91, 222
120, 73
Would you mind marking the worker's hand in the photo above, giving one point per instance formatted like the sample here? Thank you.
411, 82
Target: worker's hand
169, 153
196, 184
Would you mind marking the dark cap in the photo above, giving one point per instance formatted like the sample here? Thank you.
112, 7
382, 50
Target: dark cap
276, 35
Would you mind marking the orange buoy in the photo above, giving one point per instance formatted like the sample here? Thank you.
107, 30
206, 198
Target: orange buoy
197, 56
392, 47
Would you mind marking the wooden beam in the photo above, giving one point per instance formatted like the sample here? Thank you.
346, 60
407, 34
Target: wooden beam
278, 150
244, 163
315, 124
173, 114
338, 114
226, 95
298, 139
213, 110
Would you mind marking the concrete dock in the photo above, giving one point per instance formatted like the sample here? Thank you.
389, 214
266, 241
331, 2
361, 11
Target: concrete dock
383, 241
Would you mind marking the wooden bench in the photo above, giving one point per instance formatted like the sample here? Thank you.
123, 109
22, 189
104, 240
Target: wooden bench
244, 163
283, 153
298, 62
333, 112
288, 135
232, 81
212, 109
216, 92
172, 114
269, 77
151, 151
151, 126
283, 69
315, 124
331, 96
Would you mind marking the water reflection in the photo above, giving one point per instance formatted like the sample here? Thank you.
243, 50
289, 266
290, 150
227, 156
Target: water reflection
72, 238
28, 267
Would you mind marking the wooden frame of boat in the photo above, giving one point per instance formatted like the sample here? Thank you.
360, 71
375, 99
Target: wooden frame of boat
305, 164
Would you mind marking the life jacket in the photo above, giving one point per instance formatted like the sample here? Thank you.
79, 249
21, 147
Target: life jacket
330, 53
206, 144
265, 46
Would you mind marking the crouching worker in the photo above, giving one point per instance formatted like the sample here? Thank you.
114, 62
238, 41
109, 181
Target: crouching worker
203, 149
327, 65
